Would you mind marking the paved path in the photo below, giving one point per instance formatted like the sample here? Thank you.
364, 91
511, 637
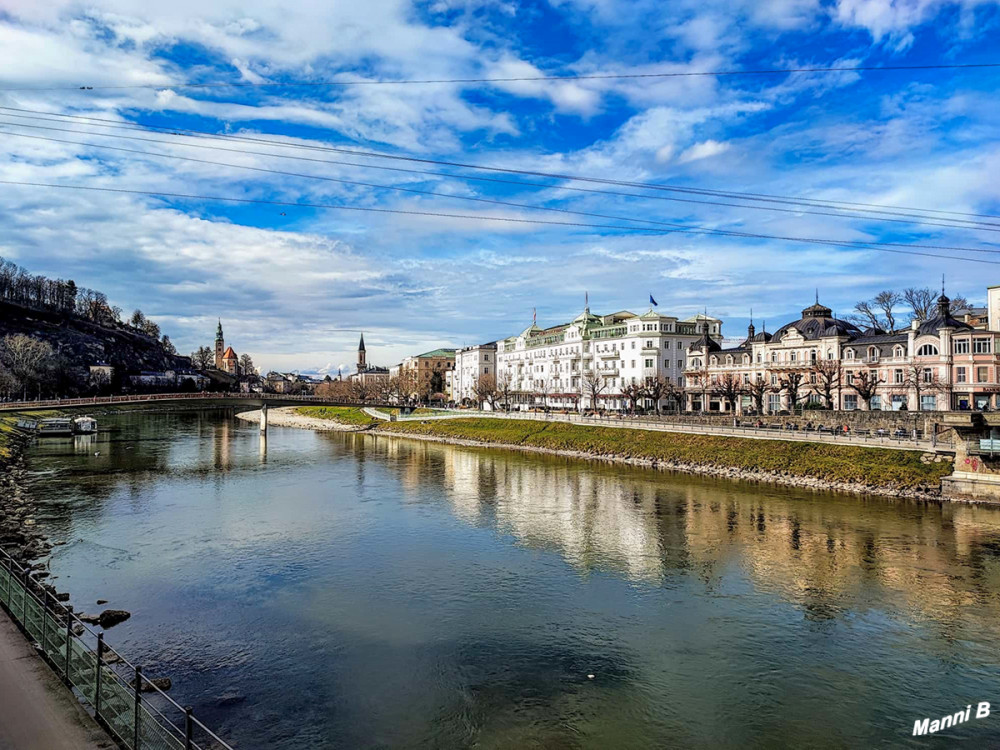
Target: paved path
38, 712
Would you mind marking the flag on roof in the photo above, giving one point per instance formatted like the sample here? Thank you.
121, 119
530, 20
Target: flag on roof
652, 301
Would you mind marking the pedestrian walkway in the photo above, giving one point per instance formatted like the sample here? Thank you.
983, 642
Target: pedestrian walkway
38, 712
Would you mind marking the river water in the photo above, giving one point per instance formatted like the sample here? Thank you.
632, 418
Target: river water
349, 591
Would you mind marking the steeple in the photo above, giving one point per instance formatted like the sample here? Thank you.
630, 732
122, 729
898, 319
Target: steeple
218, 331
220, 348
750, 329
361, 353
586, 303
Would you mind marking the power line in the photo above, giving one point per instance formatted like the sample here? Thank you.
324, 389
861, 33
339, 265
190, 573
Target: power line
509, 204
849, 244
516, 79
908, 218
764, 197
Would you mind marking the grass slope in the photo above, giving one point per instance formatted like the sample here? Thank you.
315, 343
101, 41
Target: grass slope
836, 463
343, 414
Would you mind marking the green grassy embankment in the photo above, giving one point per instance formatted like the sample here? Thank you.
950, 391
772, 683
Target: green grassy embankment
832, 463
350, 415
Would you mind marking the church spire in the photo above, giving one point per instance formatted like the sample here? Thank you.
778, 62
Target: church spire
218, 331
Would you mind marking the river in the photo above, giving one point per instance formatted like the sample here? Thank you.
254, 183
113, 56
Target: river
332, 590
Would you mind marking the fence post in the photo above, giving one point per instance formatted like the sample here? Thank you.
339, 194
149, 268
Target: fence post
188, 728
69, 641
45, 621
97, 679
24, 599
138, 701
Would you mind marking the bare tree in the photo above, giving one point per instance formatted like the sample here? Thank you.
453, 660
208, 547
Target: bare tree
543, 388
29, 361
656, 389
594, 385
674, 394
247, 369
361, 391
791, 383
829, 373
866, 383
758, 389
923, 379
202, 358
505, 388
633, 392
921, 302
729, 388
887, 301
485, 391
168, 345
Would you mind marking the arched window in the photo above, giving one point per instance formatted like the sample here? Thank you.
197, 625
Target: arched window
829, 353
746, 359
898, 351
812, 355
696, 363
729, 359
873, 352
714, 360
927, 350
850, 354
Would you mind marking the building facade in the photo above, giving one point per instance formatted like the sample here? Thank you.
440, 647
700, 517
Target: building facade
586, 363
426, 372
366, 373
472, 363
936, 364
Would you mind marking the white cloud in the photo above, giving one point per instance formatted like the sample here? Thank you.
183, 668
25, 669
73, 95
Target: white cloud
703, 150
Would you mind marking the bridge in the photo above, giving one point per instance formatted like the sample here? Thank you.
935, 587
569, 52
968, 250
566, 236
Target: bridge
235, 399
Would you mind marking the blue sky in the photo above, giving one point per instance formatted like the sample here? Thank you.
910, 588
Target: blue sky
283, 284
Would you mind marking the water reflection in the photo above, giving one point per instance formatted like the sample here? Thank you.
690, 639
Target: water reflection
362, 591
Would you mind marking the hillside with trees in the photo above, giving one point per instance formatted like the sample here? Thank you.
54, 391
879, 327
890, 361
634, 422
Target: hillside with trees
52, 331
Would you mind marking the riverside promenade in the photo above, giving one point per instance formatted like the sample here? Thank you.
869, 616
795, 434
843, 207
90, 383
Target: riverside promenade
37, 712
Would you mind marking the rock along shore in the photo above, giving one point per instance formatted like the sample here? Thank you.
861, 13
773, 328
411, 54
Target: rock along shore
285, 417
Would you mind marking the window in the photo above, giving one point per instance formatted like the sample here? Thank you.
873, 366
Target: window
773, 402
927, 375
774, 380
791, 356
829, 353
850, 378
850, 401
714, 360
928, 403
486, 370
633, 363
812, 355
876, 403
649, 344
982, 374
774, 356
760, 357
746, 378
981, 346
680, 345
649, 363
633, 345
729, 359
850, 354
961, 346
899, 352
680, 364
929, 350
746, 359
666, 364
897, 376
873, 353
960, 375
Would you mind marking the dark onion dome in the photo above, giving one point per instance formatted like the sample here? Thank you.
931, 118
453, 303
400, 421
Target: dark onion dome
707, 344
942, 319
763, 336
816, 322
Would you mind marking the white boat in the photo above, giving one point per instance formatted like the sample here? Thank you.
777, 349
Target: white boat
55, 427
84, 426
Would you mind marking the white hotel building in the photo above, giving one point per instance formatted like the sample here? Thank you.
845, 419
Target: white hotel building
471, 363
548, 365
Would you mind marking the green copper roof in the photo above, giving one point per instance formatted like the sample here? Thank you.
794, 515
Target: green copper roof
438, 353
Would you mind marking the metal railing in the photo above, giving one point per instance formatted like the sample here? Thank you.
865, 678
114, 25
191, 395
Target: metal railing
134, 711
141, 398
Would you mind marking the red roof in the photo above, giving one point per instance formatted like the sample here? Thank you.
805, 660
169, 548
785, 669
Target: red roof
230, 354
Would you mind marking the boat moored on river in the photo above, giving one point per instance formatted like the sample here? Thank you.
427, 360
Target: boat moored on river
55, 427
84, 426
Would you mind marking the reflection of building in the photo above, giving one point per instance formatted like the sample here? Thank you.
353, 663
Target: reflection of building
551, 366
936, 364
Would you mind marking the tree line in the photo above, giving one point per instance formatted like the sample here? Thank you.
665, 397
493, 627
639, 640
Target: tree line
889, 308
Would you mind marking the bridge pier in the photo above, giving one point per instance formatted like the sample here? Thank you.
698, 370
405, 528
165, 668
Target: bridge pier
263, 419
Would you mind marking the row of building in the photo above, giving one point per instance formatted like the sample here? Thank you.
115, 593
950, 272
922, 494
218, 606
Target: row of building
950, 360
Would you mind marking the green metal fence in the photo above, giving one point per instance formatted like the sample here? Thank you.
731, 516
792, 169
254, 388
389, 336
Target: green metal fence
132, 709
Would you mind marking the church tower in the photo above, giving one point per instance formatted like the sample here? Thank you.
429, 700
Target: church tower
361, 354
220, 347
